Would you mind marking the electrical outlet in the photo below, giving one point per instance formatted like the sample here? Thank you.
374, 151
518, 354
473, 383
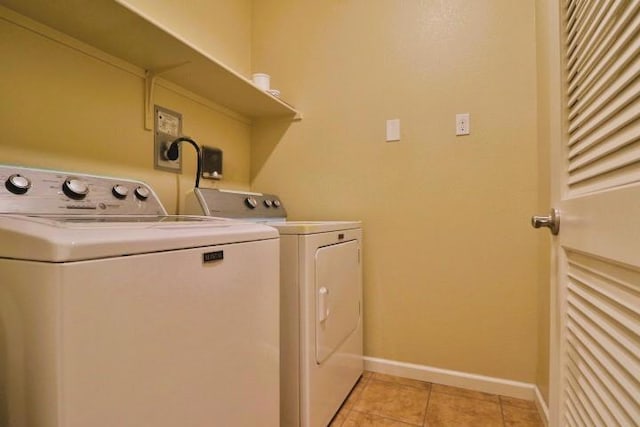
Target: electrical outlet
167, 126
463, 126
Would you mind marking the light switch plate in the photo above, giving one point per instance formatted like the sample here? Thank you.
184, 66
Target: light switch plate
393, 130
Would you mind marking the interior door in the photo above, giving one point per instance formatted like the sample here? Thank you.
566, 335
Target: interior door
594, 119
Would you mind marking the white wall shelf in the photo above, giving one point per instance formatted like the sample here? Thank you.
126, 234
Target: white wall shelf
126, 34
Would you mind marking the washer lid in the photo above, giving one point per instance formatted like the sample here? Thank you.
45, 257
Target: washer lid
312, 227
93, 221
79, 237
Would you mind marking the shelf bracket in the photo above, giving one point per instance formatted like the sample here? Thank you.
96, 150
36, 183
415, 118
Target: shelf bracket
149, 83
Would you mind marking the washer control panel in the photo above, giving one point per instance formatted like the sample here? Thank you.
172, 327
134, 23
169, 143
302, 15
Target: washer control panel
40, 191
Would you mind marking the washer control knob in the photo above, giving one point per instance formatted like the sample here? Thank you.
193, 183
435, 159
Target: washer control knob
142, 193
17, 184
120, 191
251, 202
276, 203
268, 203
75, 189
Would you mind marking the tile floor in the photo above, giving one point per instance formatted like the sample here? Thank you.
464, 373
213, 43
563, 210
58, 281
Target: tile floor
384, 400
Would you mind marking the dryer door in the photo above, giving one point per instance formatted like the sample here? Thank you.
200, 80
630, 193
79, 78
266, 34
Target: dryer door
337, 296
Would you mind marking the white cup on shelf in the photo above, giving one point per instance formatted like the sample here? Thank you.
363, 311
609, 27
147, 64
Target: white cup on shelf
261, 80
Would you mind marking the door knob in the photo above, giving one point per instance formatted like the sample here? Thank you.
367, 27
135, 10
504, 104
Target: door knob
551, 221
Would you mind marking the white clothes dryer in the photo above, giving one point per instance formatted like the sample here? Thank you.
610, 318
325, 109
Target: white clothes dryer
113, 313
320, 302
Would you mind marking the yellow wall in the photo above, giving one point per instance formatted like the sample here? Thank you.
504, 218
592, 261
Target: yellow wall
450, 260
63, 109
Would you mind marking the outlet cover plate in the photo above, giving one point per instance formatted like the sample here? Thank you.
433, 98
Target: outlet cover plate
167, 126
463, 125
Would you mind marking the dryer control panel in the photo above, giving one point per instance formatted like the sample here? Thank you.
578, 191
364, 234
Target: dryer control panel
234, 204
41, 191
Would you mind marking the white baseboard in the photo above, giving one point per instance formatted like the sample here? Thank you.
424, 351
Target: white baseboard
519, 390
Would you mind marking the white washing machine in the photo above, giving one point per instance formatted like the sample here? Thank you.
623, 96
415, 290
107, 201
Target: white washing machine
113, 313
320, 300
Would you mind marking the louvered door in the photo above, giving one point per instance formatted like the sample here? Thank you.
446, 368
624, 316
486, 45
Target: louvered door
596, 378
